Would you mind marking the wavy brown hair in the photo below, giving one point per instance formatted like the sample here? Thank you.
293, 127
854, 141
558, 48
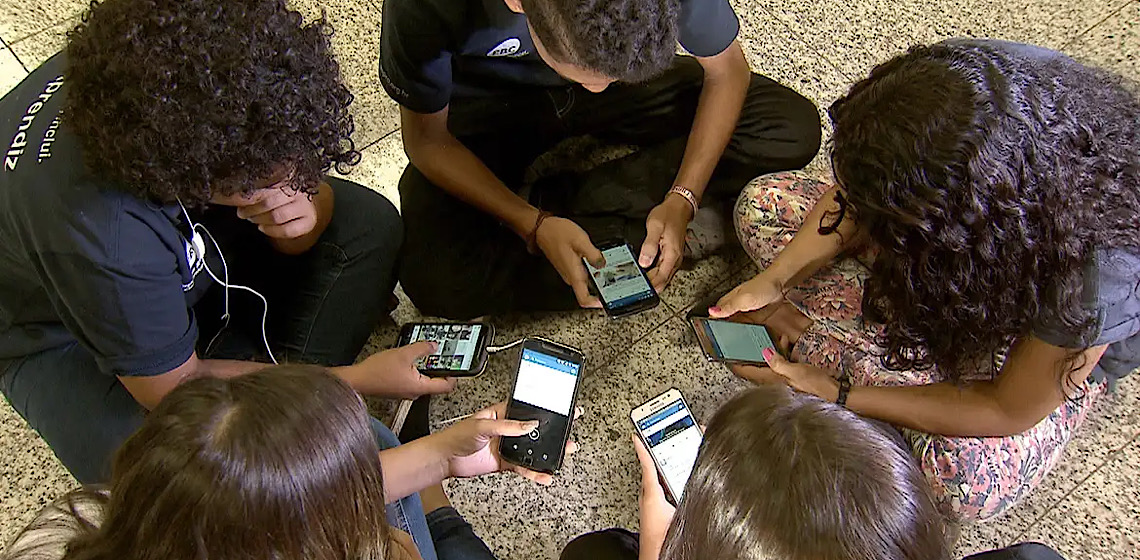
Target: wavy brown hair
190, 98
783, 474
989, 179
279, 464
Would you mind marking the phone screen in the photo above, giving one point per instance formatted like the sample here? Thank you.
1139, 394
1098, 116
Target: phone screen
458, 345
674, 439
620, 282
544, 391
737, 341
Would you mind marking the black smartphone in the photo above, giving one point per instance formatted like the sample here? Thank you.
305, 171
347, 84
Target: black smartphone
732, 342
461, 351
671, 434
622, 285
545, 389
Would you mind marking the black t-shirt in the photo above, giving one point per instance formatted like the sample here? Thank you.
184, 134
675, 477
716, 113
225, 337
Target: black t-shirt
81, 260
433, 50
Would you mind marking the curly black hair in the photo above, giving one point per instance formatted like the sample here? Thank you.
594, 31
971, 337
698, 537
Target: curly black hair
988, 178
627, 40
185, 99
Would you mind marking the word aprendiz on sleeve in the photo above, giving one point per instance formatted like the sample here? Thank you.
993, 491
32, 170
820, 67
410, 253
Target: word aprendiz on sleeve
20, 140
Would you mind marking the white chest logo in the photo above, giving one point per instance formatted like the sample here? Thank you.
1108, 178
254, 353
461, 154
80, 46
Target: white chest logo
506, 48
196, 258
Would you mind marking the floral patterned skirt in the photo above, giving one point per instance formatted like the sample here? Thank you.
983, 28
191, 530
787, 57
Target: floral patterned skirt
974, 478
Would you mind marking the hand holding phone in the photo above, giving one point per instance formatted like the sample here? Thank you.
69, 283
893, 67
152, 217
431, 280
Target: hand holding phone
622, 284
545, 389
393, 374
671, 436
460, 351
732, 342
566, 245
473, 444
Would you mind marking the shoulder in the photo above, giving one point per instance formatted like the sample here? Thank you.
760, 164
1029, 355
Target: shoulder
449, 17
1115, 276
706, 27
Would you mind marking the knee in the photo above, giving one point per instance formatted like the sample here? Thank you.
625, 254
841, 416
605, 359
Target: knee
366, 222
439, 291
783, 128
773, 200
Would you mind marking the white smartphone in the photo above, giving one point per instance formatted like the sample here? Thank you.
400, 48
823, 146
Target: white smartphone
668, 429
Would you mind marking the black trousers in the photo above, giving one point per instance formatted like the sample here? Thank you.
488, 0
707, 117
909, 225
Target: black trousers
460, 263
322, 307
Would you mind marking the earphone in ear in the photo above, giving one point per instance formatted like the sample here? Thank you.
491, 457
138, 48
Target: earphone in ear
225, 283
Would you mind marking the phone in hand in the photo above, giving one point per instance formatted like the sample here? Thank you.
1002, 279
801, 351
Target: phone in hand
461, 350
671, 434
621, 284
732, 342
545, 389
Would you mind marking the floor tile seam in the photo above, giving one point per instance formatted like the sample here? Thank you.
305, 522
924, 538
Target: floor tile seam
610, 363
1116, 11
1111, 458
8, 47
815, 51
49, 26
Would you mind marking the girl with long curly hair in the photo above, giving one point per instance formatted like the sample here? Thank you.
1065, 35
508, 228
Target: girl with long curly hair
973, 275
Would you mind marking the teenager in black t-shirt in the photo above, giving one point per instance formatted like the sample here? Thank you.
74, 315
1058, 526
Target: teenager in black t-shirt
167, 137
486, 86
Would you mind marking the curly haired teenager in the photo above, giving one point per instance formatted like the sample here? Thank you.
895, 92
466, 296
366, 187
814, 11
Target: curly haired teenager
989, 193
175, 145
486, 87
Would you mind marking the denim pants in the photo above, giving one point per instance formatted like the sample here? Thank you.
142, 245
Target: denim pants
442, 534
323, 305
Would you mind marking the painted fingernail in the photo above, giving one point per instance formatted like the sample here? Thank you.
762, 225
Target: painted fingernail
768, 353
714, 309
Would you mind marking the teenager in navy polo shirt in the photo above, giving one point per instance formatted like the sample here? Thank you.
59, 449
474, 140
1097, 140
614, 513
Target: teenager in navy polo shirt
486, 86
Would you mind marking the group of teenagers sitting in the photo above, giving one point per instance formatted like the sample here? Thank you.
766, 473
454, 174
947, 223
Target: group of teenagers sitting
949, 303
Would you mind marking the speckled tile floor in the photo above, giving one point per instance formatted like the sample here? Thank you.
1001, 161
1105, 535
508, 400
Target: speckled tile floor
1088, 508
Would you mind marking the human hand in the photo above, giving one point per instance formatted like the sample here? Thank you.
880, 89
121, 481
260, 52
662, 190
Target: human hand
665, 239
801, 377
279, 211
473, 444
393, 373
565, 244
761, 291
656, 513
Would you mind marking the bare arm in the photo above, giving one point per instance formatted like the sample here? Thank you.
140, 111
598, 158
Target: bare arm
718, 109
1027, 389
448, 163
150, 390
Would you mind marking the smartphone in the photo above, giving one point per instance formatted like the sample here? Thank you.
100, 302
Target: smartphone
732, 342
545, 389
671, 434
621, 285
461, 351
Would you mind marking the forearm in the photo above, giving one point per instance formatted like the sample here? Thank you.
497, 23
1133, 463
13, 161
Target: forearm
809, 250
941, 408
411, 467
454, 168
718, 110
324, 202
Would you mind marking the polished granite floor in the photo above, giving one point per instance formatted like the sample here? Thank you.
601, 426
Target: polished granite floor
1088, 508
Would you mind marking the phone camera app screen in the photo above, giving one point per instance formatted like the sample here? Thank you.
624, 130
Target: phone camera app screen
457, 345
739, 341
620, 282
674, 439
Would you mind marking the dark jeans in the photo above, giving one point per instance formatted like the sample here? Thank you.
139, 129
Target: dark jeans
322, 307
462, 263
620, 544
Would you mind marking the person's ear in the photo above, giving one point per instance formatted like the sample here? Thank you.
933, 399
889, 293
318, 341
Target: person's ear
514, 5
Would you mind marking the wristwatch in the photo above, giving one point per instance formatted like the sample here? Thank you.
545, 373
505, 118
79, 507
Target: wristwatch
687, 195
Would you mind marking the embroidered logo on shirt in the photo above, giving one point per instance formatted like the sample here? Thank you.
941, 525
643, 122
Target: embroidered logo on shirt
510, 47
195, 258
